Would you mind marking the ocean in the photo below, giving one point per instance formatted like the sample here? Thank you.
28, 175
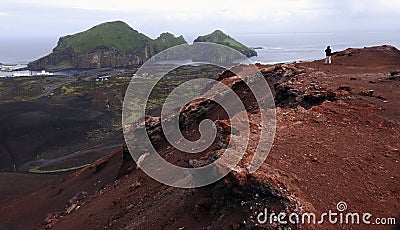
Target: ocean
25, 49
276, 47
289, 47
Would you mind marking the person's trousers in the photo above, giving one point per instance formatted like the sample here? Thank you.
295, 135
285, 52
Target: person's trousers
328, 60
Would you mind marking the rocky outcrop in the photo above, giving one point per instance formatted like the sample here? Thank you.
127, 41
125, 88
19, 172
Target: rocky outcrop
394, 75
100, 57
290, 89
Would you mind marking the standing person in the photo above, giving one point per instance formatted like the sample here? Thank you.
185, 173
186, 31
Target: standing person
328, 52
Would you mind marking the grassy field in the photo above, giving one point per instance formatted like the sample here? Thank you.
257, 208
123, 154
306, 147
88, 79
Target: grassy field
30, 88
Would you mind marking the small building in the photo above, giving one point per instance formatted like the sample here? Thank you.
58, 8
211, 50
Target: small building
103, 78
44, 73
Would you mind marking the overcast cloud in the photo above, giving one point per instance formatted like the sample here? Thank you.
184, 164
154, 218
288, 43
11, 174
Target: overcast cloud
49, 18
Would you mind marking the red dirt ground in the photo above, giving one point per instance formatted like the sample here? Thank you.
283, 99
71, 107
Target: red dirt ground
347, 149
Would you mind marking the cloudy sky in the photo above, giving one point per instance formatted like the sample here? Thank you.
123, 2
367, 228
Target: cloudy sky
53, 18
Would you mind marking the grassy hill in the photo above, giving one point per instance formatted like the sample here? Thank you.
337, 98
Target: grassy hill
220, 37
116, 44
116, 34
110, 44
167, 40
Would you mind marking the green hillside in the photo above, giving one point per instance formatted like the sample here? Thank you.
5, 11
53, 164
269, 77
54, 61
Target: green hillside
107, 45
167, 40
220, 37
116, 34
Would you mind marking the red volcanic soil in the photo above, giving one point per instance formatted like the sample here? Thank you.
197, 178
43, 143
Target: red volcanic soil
29, 210
337, 139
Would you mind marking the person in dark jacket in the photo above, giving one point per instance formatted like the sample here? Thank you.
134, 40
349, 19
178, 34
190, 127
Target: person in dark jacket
328, 52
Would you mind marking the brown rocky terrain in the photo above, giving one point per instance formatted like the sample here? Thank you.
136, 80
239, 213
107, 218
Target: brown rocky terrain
337, 140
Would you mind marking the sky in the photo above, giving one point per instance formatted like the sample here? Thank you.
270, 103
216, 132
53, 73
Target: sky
55, 18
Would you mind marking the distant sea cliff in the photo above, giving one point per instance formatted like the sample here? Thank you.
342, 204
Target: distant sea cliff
116, 44
110, 44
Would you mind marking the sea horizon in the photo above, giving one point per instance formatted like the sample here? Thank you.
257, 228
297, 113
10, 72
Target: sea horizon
271, 47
